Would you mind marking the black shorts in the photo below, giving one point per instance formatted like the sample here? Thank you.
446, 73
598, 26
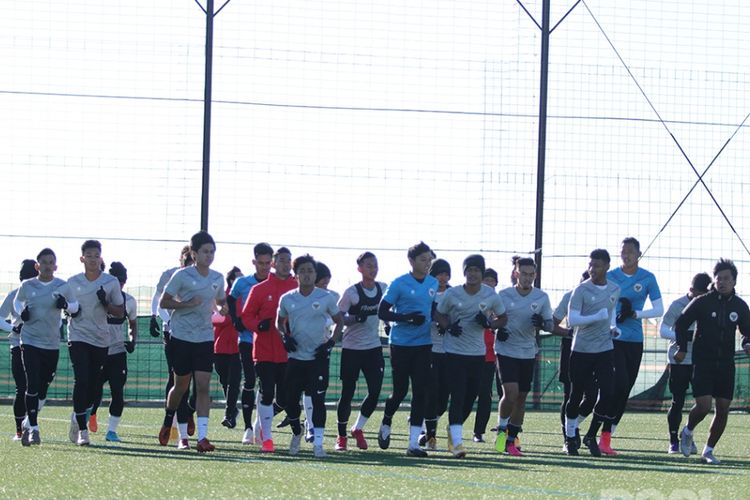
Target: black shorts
714, 379
564, 373
116, 369
367, 361
679, 378
189, 357
520, 371
308, 376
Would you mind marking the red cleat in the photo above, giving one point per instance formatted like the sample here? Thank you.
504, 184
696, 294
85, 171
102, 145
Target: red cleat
183, 444
605, 444
359, 437
267, 446
204, 446
93, 425
164, 435
191, 426
340, 443
510, 449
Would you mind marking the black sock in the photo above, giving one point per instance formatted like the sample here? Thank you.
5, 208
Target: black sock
342, 428
513, 431
673, 437
296, 427
387, 419
168, 417
431, 426
19, 424
248, 401
596, 422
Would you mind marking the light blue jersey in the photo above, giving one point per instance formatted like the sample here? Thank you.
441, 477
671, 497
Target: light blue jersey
407, 295
635, 288
240, 290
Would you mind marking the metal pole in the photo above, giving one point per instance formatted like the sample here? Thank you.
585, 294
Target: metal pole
207, 113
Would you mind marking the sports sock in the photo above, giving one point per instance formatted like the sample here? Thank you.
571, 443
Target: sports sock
502, 423
385, 430
265, 413
361, 421
113, 423
571, 424
431, 427
387, 419
674, 437
707, 449
296, 427
342, 428
513, 431
414, 431
182, 430
318, 436
168, 417
307, 403
456, 431
202, 427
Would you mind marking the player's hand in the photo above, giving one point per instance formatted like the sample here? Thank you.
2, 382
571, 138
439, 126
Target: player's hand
570, 333
25, 314
17, 329
153, 326
414, 318
324, 349
456, 329
387, 328
61, 302
537, 320
264, 325
679, 356
482, 320
238, 324
502, 334
615, 332
130, 346
440, 329
626, 310
102, 296
360, 318
290, 344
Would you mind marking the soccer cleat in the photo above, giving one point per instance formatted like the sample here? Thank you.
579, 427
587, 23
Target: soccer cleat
605, 444
26, 437
590, 443
18, 436
283, 423
571, 446
432, 444
191, 426
93, 424
25, 423
164, 435
183, 444
384, 441
83, 438
708, 458
319, 452
359, 438
340, 443
686, 442
449, 439
294, 443
674, 448
416, 452
422, 441
204, 446
267, 446
230, 421
510, 449
36, 439
112, 437
500, 440
693, 449
459, 451
249, 436
73, 430
478, 438
309, 436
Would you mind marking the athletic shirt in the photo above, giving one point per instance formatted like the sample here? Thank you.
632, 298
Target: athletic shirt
674, 311
460, 306
164, 314
407, 295
560, 313
435, 335
589, 299
308, 316
635, 288
42, 330
521, 343
359, 300
240, 291
225, 335
193, 324
118, 332
6, 309
90, 325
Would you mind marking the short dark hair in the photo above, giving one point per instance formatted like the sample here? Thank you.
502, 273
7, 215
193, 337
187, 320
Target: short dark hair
364, 256
119, 271
701, 282
280, 251
600, 254
232, 275
262, 249
514, 260
90, 244
490, 273
28, 270
199, 239
724, 264
632, 241
321, 271
525, 261
186, 258
418, 249
45, 251
302, 259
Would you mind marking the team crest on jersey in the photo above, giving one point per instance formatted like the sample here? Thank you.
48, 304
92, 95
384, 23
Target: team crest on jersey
482, 306
33, 294
637, 287
534, 306
214, 286
316, 305
733, 317
431, 291
611, 299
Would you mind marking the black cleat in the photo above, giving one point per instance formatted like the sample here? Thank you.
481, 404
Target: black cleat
592, 445
571, 447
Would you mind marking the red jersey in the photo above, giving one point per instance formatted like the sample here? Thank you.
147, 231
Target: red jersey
262, 303
225, 336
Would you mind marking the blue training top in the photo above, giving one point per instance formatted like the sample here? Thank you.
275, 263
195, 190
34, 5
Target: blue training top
240, 290
635, 288
407, 295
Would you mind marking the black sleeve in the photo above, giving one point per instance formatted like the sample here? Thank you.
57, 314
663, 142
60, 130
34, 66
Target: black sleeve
744, 326
681, 326
384, 311
232, 306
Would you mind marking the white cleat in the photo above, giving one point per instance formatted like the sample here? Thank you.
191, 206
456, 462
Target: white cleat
249, 436
83, 438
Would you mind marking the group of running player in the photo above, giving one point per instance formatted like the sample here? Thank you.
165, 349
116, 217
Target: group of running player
447, 343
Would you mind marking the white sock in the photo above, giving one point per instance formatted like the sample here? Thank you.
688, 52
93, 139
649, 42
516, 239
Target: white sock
414, 431
318, 436
36, 428
265, 412
707, 449
502, 423
614, 426
307, 400
456, 434
202, 427
385, 430
687, 431
361, 421
182, 429
113, 423
571, 424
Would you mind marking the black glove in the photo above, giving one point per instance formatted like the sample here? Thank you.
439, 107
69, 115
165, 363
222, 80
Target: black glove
456, 329
130, 346
25, 314
17, 329
482, 320
360, 318
324, 350
502, 334
626, 310
264, 325
441, 330
61, 303
387, 328
153, 327
570, 334
238, 325
102, 296
290, 345
537, 320
414, 318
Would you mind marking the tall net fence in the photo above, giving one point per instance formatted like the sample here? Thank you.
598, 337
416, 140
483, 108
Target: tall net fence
352, 125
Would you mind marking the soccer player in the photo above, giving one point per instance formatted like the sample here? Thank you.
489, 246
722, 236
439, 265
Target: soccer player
115, 369
484, 398
263, 255
717, 316
227, 357
302, 322
13, 327
465, 312
636, 284
98, 295
680, 373
193, 294
408, 303
591, 313
270, 357
362, 351
528, 309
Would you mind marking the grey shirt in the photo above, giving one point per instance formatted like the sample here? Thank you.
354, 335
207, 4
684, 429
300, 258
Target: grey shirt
437, 338
90, 325
561, 311
164, 314
42, 330
521, 343
308, 317
193, 324
589, 299
674, 311
361, 336
6, 309
460, 306
117, 339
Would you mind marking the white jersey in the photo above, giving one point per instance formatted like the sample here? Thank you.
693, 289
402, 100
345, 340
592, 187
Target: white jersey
521, 343
90, 325
460, 306
117, 339
193, 324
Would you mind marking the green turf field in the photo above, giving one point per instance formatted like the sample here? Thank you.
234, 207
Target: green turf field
139, 467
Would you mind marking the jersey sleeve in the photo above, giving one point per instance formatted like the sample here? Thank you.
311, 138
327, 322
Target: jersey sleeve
391, 294
114, 294
653, 289
347, 299
131, 308
281, 311
546, 309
